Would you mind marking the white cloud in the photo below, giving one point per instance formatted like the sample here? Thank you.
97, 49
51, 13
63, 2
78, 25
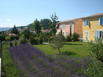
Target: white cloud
9, 20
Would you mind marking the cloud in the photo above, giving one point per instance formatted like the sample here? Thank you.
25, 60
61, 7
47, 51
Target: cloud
9, 20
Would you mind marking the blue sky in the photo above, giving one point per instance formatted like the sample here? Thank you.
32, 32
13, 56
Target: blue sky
23, 12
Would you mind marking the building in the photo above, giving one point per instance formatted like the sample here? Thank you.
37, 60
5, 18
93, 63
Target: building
70, 27
89, 28
93, 27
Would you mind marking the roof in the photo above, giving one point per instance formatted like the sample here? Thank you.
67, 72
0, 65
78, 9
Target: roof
72, 20
68, 21
94, 15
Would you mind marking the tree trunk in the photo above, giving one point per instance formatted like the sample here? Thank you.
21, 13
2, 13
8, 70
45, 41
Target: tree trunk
59, 50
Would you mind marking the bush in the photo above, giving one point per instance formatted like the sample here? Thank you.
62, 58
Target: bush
68, 38
36, 41
8, 38
94, 69
41, 41
23, 41
2, 37
97, 49
14, 38
33, 41
75, 37
16, 43
11, 44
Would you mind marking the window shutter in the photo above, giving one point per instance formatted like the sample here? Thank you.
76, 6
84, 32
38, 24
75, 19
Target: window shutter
86, 22
100, 21
97, 34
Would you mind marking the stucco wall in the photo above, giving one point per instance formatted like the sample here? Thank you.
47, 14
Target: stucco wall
94, 25
78, 27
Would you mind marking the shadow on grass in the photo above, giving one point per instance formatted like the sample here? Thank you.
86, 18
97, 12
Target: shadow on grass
68, 53
72, 44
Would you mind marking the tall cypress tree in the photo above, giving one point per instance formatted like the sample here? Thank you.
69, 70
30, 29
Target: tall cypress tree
37, 26
54, 19
15, 30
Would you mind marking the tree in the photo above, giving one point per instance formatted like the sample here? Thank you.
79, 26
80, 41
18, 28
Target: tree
45, 23
26, 34
31, 26
37, 26
54, 19
57, 42
15, 30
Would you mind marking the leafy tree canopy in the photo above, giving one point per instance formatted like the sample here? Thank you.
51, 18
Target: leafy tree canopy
45, 23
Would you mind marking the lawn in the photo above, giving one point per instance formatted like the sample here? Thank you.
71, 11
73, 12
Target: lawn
79, 49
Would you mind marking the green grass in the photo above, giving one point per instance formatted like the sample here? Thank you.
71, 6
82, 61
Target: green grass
8, 63
79, 49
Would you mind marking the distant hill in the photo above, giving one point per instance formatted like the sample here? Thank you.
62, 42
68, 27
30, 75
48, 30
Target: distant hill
4, 29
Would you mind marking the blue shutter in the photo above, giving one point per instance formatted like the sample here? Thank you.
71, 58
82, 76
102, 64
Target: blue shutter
100, 21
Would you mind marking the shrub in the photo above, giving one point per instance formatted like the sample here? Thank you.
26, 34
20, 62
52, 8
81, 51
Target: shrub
14, 38
68, 38
16, 43
41, 41
97, 49
33, 41
23, 41
11, 44
8, 38
2, 37
36, 41
94, 69
75, 37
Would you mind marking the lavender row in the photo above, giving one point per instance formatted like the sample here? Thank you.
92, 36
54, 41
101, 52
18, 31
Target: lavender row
34, 63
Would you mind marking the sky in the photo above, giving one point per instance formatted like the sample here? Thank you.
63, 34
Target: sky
24, 12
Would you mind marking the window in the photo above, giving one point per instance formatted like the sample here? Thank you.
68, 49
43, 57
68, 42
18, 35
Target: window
86, 22
99, 35
86, 35
62, 26
101, 21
